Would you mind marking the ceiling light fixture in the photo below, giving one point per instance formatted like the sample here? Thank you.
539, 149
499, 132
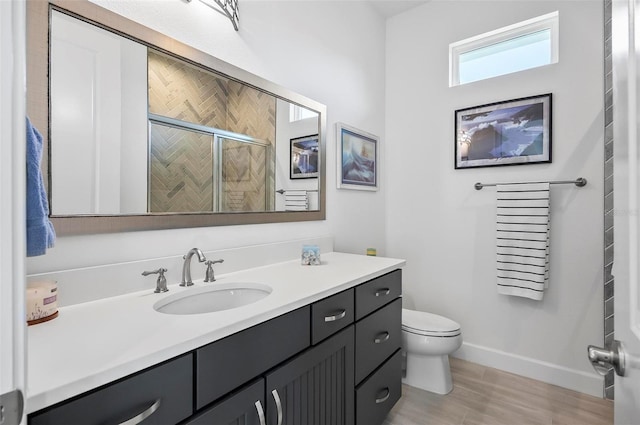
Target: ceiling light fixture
228, 8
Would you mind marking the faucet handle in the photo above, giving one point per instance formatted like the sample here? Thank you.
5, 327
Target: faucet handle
161, 283
209, 276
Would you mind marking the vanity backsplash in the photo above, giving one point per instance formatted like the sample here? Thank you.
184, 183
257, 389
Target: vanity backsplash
86, 284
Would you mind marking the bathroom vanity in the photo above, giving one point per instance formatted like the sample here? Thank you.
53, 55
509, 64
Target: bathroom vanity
322, 348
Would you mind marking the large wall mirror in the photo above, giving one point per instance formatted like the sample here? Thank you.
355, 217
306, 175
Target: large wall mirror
144, 132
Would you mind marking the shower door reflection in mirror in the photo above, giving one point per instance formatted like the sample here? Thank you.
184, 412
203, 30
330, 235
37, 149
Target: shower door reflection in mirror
194, 171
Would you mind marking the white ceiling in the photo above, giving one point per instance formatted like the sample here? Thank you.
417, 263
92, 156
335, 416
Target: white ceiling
388, 8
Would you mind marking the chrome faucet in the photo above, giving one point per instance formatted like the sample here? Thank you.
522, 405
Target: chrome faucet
186, 268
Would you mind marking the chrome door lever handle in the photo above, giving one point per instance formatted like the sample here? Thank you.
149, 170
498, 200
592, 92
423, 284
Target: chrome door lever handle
602, 359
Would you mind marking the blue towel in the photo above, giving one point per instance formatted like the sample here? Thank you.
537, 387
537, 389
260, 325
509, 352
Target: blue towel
40, 232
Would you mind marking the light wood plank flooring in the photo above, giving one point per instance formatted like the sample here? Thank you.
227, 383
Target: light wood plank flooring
486, 396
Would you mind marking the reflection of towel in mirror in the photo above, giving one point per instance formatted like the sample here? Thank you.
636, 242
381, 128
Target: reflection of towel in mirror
40, 232
296, 200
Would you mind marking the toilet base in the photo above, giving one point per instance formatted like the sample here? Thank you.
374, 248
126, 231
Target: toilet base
429, 373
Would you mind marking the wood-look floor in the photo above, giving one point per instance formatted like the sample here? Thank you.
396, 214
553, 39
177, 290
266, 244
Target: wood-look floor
482, 395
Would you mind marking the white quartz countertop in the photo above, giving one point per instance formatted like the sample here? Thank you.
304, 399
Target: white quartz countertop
92, 344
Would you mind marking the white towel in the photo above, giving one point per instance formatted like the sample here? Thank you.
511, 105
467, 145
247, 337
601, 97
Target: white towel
296, 200
522, 239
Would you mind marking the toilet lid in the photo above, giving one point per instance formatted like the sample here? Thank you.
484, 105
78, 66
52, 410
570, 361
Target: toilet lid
429, 324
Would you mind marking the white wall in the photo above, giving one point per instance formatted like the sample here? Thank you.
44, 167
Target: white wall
445, 228
328, 52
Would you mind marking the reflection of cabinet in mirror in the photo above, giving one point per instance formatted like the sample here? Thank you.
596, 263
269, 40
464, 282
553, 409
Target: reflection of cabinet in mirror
143, 137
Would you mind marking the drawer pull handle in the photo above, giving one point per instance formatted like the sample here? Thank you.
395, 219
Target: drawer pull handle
381, 337
384, 397
276, 398
336, 316
144, 415
382, 292
260, 413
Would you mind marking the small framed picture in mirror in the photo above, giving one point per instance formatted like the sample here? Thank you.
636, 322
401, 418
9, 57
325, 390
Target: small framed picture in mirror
304, 157
358, 158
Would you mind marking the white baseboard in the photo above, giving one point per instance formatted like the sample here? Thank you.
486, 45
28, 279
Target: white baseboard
576, 380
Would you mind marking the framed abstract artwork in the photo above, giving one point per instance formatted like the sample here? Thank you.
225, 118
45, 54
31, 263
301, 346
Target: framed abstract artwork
512, 132
358, 158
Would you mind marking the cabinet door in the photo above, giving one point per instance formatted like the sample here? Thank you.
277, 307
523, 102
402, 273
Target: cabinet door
316, 387
244, 407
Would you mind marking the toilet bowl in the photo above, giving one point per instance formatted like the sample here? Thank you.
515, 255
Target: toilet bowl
427, 341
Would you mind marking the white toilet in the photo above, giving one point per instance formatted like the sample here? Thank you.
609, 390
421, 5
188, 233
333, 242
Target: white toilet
427, 341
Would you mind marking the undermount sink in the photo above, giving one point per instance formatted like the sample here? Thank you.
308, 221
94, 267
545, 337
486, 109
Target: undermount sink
211, 298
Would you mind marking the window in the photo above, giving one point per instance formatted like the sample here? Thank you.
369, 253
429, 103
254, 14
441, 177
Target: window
521, 46
297, 113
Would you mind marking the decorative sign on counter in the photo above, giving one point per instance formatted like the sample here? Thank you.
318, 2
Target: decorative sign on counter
310, 255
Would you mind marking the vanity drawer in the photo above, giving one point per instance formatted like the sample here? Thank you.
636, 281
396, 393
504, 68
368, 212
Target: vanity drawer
377, 292
168, 388
377, 337
224, 365
330, 315
379, 393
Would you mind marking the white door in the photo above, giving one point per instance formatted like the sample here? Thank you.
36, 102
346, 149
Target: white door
12, 215
626, 269
95, 78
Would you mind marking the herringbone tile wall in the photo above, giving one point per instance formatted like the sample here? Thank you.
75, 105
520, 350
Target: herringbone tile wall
179, 90
243, 177
181, 165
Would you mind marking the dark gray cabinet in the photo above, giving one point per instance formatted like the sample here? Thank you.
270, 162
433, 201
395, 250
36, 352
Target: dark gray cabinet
377, 292
378, 373
377, 394
333, 362
162, 394
243, 407
331, 314
231, 362
315, 388
378, 336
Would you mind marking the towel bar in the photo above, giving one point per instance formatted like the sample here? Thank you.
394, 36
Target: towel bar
580, 181
282, 191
